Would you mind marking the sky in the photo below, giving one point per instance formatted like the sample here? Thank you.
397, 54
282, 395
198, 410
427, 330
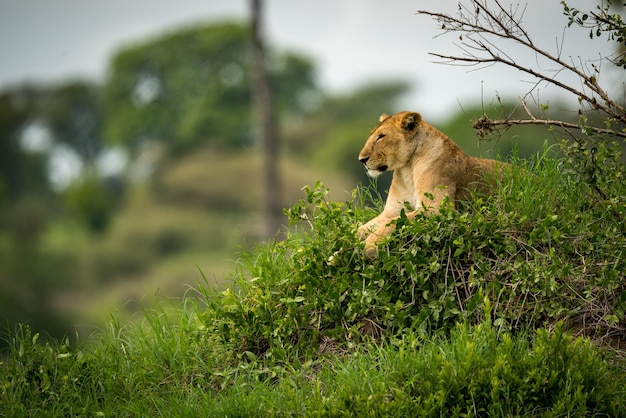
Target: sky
352, 42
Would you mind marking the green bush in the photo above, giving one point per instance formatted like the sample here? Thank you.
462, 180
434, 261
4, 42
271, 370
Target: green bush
544, 249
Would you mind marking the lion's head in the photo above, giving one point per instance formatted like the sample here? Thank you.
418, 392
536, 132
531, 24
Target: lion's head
391, 144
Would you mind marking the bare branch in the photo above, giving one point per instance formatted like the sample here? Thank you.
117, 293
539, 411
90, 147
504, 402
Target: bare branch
484, 21
484, 125
495, 58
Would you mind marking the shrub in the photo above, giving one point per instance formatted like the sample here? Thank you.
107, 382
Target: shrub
478, 371
544, 249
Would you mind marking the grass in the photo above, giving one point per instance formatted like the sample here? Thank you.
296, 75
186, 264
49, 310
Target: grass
171, 367
509, 306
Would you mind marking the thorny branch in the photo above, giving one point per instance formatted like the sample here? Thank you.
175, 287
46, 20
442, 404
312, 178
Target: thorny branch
481, 25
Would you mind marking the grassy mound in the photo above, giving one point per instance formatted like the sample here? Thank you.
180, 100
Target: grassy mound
512, 305
546, 249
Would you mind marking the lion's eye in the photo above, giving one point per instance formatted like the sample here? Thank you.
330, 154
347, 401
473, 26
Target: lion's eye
380, 136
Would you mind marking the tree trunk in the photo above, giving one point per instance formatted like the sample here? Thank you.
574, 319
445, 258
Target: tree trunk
265, 126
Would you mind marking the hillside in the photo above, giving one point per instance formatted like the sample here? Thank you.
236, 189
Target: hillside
508, 306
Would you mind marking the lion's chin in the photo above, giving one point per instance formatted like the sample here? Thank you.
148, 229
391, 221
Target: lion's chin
375, 172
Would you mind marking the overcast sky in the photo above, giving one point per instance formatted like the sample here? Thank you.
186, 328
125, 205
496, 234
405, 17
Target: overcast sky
351, 41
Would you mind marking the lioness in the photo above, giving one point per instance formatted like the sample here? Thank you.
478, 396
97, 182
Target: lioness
425, 161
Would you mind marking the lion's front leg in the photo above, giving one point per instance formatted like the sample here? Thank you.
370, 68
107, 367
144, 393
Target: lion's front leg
377, 230
366, 229
375, 238
374, 232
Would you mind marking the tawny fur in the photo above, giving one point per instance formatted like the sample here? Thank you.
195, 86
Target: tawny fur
424, 160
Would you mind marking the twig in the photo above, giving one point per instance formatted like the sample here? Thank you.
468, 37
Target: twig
526, 109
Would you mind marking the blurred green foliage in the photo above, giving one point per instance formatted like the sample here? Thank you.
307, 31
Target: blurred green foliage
66, 244
73, 114
192, 86
19, 171
89, 201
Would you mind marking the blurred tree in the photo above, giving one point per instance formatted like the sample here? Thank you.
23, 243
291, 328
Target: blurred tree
73, 116
193, 85
36, 122
90, 201
42, 128
30, 276
267, 129
20, 171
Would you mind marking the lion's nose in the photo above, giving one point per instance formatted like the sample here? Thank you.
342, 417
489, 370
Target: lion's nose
364, 159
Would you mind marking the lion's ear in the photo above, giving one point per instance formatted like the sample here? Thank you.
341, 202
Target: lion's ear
411, 120
383, 117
